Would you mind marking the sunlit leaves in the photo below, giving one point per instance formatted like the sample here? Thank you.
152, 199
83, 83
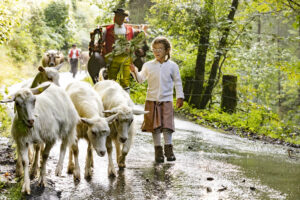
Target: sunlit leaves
9, 16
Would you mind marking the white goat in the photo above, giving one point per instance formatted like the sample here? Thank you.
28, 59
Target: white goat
116, 100
93, 126
39, 119
50, 74
45, 74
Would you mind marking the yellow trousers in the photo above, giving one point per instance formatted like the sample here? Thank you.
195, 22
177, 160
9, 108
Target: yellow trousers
119, 69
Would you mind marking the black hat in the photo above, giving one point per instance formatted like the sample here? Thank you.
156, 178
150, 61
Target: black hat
121, 11
73, 45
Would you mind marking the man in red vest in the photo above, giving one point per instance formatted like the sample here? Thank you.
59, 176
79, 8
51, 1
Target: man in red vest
110, 34
74, 56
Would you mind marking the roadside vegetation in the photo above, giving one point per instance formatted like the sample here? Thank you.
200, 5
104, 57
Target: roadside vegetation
258, 43
261, 124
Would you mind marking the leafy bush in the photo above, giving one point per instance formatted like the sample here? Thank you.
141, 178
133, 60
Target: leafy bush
22, 48
256, 120
5, 121
138, 92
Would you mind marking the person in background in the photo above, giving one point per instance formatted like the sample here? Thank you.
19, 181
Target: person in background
74, 54
110, 34
162, 75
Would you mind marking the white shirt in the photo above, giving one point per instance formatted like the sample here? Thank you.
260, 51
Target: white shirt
119, 30
161, 80
74, 56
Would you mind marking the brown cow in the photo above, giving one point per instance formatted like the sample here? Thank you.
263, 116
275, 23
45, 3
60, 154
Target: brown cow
52, 58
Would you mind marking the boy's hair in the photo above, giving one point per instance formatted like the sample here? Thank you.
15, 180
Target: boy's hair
165, 42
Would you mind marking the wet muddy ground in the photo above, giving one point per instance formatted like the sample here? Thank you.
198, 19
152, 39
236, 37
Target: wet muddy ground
209, 165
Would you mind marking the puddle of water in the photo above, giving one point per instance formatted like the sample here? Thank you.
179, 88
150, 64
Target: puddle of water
267, 163
279, 174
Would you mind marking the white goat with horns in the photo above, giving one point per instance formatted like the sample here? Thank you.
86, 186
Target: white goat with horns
39, 119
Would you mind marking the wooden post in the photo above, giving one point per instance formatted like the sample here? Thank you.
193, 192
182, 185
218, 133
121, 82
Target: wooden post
229, 94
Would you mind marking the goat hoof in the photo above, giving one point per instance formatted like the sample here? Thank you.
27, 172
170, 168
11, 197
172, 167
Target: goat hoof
70, 171
76, 175
76, 179
33, 174
122, 165
19, 172
112, 174
58, 171
41, 182
25, 189
70, 168
88, 174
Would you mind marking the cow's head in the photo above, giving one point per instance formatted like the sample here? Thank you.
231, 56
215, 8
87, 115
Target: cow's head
52, 56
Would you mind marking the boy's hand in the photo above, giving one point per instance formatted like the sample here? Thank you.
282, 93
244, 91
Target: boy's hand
179, 102
132, 68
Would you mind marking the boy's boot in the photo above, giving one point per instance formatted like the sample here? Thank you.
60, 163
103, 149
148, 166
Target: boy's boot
159, 156
169, 152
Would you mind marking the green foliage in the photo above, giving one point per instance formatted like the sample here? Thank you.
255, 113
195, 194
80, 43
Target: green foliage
14, 192
58, 20
39, 32
254, 120
138, 92
56, 15
9, 17
22, 48
264, 61
5, 121
106, 14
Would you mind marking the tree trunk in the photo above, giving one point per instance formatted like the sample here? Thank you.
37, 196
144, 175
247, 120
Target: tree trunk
258, 29
197, 87
229, 94
215, 66
138, 10
187, 89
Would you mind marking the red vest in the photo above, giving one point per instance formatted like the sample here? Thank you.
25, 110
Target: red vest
110, 39
71, 53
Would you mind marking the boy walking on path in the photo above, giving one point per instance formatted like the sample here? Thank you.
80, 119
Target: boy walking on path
162, 75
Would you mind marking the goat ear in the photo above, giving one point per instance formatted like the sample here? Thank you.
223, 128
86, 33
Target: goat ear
41, 69
139, 112
41, 88
8, 100
110, 111
59, 66
86, 121
111, 118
